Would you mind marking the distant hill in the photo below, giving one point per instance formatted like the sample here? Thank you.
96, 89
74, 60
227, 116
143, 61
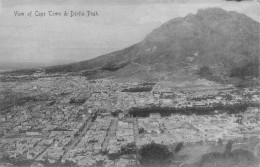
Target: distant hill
213, 44
26, 65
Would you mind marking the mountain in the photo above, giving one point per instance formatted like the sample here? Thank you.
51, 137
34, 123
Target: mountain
213, 44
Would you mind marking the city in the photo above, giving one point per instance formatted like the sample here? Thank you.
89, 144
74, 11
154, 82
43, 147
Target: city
71, 119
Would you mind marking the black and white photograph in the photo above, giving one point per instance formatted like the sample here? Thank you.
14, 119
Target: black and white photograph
129, 83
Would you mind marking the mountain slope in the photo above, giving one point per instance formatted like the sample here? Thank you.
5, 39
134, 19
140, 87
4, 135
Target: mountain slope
224, 43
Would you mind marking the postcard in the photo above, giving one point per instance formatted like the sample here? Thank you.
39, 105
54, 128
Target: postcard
129, 83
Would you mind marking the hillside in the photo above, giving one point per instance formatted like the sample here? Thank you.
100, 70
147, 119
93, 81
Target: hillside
213, 44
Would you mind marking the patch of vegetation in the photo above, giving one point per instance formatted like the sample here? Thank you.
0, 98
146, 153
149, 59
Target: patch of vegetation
151, 154
154, 154
114, 156
204, 72
111, 66
178, 147
129, 148
141, 130
220, 141
147, 84
206, 110
116, 113
200, 110
10, 99
89, 73
228, 147
60, 68
69, 163
94, 117
138, 89
77, 101
249, 69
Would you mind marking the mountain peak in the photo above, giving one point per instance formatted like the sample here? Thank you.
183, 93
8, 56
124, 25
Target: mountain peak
212, 12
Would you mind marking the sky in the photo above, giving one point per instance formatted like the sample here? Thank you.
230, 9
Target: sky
119, 24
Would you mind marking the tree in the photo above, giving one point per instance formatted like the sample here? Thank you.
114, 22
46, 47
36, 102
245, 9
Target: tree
178, 147
220, 141
204, 72
154, 154
141, 130
129, 148
228, 147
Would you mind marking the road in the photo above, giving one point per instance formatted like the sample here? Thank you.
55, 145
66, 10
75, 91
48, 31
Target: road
76, 140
